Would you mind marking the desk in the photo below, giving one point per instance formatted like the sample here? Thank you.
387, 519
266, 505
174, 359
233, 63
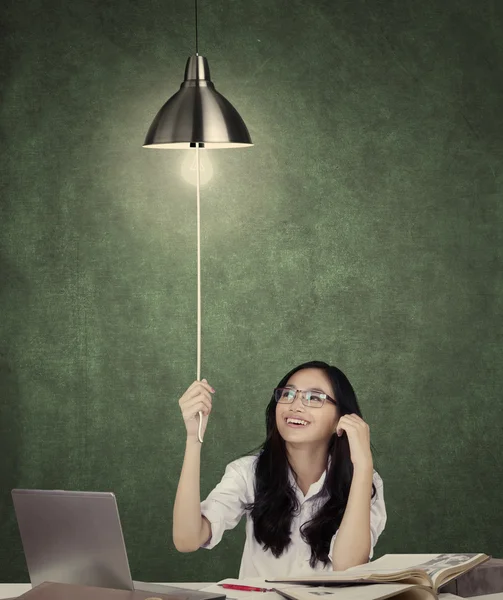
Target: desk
11, 590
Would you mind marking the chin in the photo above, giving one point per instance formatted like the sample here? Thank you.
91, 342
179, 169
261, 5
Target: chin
295, 436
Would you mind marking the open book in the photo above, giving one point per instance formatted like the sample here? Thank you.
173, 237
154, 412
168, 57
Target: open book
375, 591
428, 570
378, 591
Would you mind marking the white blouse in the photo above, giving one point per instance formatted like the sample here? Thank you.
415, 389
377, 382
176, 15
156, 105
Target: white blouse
225, 506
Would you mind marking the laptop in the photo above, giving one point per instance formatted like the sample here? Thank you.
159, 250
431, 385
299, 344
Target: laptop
76, 537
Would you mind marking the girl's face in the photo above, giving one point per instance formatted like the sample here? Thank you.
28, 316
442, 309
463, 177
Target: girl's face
298, 423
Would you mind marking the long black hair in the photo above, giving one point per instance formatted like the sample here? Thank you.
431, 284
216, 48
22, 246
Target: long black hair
275, 500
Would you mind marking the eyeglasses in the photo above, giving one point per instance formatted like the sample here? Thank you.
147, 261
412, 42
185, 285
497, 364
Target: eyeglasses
308, 398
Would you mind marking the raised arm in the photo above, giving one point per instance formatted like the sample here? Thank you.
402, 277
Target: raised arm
190, 529
352, 544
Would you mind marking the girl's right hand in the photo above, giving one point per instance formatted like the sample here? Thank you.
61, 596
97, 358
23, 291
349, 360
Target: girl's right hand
196, 398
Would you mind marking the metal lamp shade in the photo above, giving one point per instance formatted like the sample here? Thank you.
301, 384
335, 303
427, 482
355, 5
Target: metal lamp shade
197, 113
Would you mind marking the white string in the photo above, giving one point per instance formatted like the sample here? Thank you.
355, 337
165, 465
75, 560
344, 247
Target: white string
198, 374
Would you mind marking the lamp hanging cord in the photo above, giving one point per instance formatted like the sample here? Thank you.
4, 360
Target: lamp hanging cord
198, 209
197, 44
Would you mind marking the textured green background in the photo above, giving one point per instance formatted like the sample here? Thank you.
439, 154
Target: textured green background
364, 228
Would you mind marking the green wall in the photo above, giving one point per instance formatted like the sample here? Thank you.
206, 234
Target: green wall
364, 228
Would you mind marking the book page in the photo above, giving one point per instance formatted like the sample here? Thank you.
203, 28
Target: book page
434, 565
391, 563
215, 588
438, 565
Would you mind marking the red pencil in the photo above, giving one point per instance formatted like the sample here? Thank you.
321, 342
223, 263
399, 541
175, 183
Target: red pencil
244, 588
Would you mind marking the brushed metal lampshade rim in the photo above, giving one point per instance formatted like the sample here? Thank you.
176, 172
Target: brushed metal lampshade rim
197, 113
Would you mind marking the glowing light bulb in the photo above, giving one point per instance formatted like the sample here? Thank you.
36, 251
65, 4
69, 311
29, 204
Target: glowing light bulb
189, 167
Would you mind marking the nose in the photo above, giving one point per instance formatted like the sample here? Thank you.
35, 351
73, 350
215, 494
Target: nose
297, 403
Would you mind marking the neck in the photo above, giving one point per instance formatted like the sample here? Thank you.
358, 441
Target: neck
308, 463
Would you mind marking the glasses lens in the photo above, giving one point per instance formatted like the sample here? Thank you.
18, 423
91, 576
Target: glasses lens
284, 395
315, 400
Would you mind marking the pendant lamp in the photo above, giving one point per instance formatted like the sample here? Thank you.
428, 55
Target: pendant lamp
196, 117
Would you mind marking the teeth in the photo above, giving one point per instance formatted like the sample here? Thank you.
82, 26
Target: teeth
297, 421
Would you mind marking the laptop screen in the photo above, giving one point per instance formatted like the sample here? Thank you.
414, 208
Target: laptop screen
72, 537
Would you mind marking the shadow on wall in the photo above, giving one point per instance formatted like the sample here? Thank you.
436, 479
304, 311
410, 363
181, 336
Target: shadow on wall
10, 433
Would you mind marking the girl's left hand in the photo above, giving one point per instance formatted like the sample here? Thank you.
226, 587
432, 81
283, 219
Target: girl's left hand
358, 433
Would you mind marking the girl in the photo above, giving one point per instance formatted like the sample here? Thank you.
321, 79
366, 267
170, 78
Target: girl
311, 497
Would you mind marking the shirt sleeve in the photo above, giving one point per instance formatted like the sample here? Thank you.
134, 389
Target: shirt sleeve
225, 505
377, 513
377, 516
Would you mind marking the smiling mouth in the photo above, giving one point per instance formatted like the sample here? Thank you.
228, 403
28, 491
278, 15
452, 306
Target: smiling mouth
294, 422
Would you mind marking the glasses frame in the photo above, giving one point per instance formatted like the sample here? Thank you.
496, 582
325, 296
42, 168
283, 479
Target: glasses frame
304, 398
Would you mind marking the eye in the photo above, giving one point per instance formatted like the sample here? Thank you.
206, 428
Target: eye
316, 399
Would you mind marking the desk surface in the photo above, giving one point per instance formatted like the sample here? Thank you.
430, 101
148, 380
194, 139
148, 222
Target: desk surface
11, 590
